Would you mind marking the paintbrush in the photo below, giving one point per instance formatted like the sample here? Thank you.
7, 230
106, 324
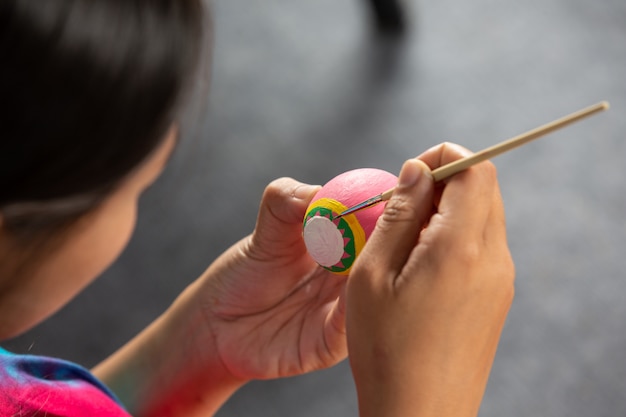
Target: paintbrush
459, 165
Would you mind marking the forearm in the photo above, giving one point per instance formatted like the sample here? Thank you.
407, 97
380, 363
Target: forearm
171, 368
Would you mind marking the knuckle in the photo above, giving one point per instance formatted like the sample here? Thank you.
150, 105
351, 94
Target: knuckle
398, 209
454, 151
277, 188
510, 292
489, 171
506, 292
277, 185
472, 256
510, 268
506, 278
468, 254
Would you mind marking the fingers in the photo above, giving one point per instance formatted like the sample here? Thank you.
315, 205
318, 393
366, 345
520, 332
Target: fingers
405, 215
495, 241
495, 230
471, 211
467, 198
287, 199
335, 325
281, 211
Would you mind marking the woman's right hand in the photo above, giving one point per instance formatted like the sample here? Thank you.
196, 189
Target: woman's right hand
428, 297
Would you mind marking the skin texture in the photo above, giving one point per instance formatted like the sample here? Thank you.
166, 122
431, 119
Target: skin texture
93, 244
429, 295
423, 308
424, 311
264, 309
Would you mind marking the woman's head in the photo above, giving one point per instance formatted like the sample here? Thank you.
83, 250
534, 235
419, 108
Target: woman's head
90, 90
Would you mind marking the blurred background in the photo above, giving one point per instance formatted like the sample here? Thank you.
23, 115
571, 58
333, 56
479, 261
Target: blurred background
311, 89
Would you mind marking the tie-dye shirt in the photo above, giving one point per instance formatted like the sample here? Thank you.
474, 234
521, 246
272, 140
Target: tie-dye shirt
36, 386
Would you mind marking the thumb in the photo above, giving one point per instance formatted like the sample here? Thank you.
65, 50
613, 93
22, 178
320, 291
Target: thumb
282, 210
406, 213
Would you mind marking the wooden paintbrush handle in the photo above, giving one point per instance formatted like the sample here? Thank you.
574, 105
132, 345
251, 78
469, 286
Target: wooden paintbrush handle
457, 166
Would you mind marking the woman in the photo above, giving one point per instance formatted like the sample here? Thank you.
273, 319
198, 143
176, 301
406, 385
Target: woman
91, 91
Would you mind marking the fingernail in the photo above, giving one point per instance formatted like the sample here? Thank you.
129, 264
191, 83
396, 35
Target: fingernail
304, 191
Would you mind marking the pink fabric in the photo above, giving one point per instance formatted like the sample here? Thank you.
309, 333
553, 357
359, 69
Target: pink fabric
39, 386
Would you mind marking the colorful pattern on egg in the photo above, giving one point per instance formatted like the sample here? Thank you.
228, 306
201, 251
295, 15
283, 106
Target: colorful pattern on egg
333, 243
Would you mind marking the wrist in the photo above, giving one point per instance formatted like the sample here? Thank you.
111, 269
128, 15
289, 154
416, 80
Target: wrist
172, 368
386, 388
200, 380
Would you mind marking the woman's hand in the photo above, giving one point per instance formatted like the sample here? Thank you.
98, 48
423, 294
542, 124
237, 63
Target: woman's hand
263, 309
429, 294
272, 311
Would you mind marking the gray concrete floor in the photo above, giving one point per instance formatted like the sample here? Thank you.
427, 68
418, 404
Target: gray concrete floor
305, 89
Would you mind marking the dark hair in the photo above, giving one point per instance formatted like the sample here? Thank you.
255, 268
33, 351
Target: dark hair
89, 88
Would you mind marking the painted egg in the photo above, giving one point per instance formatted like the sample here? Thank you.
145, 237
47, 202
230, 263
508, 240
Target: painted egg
336, 243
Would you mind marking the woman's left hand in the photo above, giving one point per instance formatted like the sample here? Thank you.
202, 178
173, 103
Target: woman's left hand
264, 309
271, 310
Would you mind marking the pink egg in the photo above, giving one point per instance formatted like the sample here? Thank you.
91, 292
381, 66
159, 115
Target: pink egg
336, 243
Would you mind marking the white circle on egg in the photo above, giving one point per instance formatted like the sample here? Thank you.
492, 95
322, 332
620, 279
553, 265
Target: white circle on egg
323, 241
